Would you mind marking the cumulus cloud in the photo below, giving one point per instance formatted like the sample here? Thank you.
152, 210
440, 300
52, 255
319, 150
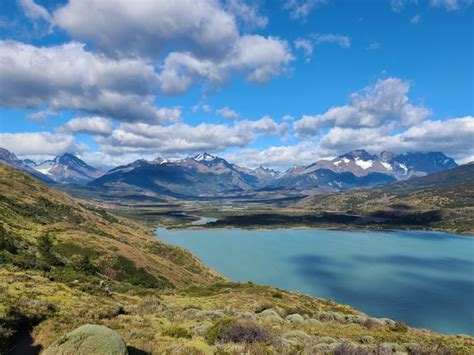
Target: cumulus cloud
258, 58
452, 136
247, 13
147, 28
88, 125
38, 143
300, 9
67, 77
182, 138
228, 113
279, 157
381, 104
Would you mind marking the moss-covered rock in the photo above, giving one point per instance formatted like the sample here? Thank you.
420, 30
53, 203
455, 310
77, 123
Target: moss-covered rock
89, 339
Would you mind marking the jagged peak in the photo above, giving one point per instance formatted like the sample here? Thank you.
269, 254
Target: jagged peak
204, 157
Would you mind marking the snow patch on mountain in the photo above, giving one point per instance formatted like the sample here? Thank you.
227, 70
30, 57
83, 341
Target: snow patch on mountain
364, 164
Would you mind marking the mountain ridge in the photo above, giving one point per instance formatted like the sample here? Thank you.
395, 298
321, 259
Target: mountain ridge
205, 175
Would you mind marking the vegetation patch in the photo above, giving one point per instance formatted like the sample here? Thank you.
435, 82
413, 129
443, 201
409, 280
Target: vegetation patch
177, 332
229, 330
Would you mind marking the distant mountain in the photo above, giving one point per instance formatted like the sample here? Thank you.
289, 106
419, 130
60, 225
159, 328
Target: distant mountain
201, 175
10, 159
68, 168
329, 180
207, 175
402, 166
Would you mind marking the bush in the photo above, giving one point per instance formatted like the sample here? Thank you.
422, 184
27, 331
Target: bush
229, 330
177, 332
399, 327
45, 246
277, 295
85, 265
6, 242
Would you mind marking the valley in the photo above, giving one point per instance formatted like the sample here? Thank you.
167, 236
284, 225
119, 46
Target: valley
65, 263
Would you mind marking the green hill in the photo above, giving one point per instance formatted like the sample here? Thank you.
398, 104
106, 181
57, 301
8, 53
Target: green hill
63, 265
443, 201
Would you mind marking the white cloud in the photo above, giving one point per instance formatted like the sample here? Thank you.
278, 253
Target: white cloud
34, 11
258, 58
373, 46
452, 136
415, 19
67, 77
279, 157
381, 104
306, 46
342, 41
228, 113
399, 5
147, 28
247, 13
300, 9
88, 125
38, 143
181, 138
40, 116
451, 5
203, 107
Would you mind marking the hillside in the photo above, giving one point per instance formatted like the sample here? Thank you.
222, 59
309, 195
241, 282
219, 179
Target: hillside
64, 264
34, 214
442, 200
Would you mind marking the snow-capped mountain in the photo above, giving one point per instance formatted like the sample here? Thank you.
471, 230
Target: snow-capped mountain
10, 159
402, 167
203, 174
68, 168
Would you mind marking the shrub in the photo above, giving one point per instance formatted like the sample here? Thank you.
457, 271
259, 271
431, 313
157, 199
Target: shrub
277, 295
85, 265
45, 246
229, 330
6, 242
177, 332
399, 327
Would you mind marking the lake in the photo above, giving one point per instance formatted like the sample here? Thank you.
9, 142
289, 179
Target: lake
425, 279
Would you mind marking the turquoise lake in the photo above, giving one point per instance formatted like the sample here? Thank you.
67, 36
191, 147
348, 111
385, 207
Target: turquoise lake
425, 279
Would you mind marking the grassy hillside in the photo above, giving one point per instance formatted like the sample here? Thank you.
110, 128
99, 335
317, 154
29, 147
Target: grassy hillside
443, 201
63, 265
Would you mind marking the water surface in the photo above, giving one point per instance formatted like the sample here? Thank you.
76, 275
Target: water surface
425, 279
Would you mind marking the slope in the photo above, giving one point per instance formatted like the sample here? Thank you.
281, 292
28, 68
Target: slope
442, 200
63, 264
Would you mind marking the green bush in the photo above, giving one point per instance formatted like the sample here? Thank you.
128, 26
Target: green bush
85, 265
6, 242
45, 246
177, 332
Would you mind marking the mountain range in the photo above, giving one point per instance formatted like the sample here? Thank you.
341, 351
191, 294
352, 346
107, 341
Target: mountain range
207, 175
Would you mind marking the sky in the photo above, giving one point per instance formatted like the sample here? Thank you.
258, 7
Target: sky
272, 83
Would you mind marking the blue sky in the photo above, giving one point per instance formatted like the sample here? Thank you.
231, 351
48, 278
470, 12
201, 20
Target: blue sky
273, 83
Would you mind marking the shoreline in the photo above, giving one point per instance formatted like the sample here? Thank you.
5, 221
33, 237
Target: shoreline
303, 227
